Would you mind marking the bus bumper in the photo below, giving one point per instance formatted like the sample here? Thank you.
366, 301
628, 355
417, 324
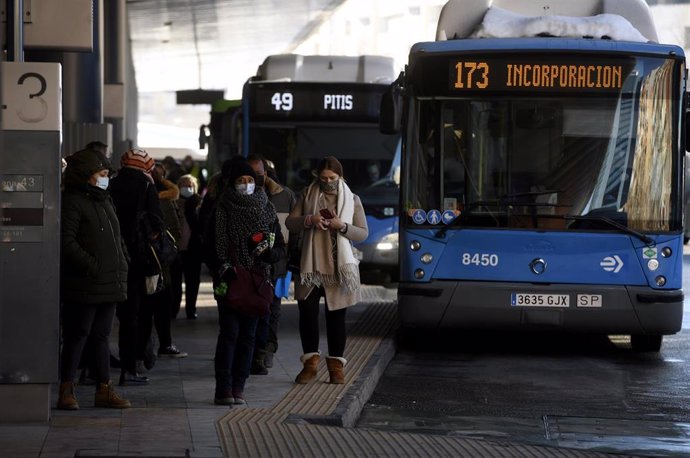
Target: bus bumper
489, 305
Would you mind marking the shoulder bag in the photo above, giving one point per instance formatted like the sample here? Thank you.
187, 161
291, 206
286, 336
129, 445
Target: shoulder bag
250, 293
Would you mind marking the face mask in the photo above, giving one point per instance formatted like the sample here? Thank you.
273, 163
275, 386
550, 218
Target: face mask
102, 182
245, 189
187, 191
328, 186
260, 180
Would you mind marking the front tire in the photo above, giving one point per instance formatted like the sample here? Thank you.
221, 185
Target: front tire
642, 343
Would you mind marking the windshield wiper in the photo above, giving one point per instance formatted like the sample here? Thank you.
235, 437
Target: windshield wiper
610, 222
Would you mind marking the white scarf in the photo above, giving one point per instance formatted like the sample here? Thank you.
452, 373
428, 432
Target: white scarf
316, 245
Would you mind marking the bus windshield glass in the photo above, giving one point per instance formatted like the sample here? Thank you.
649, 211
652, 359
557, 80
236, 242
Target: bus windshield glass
552, 157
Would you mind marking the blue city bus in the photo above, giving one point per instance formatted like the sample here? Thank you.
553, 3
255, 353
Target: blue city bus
299, 109
542, 186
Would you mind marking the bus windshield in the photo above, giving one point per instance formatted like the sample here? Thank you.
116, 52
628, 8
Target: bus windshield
556, 160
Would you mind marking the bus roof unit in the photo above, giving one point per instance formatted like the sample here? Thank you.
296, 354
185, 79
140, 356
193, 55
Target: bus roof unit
463, 18
324, 69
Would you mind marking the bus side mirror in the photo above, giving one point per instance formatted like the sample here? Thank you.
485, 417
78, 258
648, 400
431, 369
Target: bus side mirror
390, 115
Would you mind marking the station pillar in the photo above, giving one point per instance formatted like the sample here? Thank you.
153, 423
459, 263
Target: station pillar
30, 169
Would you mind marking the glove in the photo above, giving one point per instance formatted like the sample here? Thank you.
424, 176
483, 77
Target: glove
221, 289
227, 273
261, 248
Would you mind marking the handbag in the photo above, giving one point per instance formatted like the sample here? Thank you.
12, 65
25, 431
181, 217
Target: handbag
250, 293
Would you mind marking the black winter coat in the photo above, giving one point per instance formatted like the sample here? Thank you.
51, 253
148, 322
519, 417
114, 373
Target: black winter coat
133, 191
94, 261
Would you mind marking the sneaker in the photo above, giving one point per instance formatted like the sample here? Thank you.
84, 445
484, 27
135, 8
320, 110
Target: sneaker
171, 351
133, 379
238, 397
223, 398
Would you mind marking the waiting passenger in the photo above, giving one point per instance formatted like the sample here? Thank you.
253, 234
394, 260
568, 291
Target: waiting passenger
93, 276
241, 213
134, 193
330, 218
190, 243
283, 200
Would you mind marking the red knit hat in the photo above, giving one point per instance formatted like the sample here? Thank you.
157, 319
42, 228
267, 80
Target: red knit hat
137, 159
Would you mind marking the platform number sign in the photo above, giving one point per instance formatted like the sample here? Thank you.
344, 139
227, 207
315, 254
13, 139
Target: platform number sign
31, 96
282, 101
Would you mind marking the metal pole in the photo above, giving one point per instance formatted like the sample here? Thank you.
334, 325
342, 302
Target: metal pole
15, 30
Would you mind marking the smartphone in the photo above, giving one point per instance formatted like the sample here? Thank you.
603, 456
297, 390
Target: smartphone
326, 213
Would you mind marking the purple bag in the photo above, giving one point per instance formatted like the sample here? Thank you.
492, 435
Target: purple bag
250, 293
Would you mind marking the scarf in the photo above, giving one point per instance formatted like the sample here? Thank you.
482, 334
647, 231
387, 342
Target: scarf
318, 250
237, 218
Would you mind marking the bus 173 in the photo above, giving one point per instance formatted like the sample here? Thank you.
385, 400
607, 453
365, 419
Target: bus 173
542, 179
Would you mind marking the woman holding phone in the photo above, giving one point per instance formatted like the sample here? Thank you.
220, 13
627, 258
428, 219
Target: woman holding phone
330, 217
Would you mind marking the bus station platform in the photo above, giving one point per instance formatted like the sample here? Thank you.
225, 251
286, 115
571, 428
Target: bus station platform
174, 415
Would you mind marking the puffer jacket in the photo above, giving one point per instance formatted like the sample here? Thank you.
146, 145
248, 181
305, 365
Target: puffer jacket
93, 255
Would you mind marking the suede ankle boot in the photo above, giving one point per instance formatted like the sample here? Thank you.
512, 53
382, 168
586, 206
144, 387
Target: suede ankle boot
107, 397
311, 363
67, 400
335, 366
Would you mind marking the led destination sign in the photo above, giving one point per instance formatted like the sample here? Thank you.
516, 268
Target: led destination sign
537, 74
295, 102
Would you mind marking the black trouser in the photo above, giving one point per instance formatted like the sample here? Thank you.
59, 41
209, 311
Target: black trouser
191, 266
267, 329
128, 316
154, 310
79, 322
175, 286
309, 325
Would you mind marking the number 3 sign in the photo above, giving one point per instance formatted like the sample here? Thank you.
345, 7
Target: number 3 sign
31, 96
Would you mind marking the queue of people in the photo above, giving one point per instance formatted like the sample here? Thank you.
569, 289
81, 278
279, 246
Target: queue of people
242, 226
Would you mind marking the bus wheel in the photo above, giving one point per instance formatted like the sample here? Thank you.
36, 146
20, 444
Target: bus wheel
646, 343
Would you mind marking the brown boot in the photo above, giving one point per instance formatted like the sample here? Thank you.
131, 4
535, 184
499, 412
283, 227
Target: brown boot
311, 362
335, 366
67, 400
107, 397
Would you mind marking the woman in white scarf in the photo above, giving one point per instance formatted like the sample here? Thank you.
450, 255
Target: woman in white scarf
330, 217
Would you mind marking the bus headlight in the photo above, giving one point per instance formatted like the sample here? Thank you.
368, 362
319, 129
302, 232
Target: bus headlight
427, 258
418, 274
666, 252
388, 243
415, 245
660, 280
652, 264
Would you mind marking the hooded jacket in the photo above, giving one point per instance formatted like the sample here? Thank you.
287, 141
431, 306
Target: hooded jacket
93, 257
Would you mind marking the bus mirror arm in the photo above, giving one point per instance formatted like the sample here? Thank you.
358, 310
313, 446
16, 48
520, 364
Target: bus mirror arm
390, 115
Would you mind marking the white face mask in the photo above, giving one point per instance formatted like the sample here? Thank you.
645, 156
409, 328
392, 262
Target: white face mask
102, 182
187, 191
245, 189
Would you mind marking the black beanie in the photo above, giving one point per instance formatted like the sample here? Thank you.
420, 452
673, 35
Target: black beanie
239, 169
82, 164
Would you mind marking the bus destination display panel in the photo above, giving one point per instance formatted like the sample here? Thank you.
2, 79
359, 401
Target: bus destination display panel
538, 74
314, 102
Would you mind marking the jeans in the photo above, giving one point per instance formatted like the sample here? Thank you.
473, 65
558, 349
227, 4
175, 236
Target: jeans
234, 350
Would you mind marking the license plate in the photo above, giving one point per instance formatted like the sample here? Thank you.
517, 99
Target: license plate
539, 300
